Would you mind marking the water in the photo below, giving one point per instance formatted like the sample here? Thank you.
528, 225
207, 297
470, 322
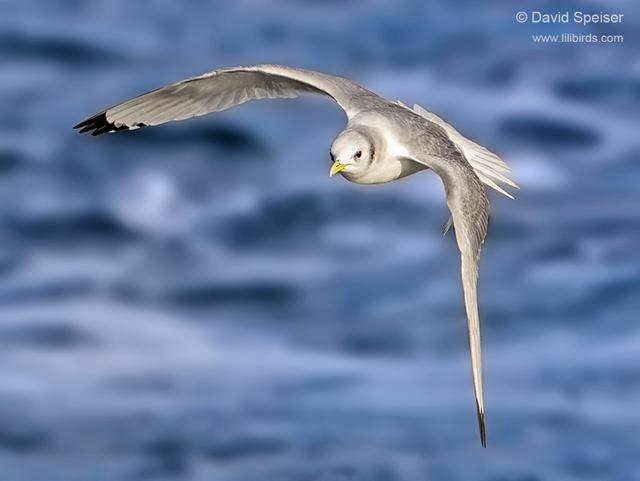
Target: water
201, 301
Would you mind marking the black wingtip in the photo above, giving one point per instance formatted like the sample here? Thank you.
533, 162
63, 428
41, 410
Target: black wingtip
481, 426
99, 124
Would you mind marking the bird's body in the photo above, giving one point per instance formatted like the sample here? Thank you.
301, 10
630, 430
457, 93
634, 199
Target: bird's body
383, 141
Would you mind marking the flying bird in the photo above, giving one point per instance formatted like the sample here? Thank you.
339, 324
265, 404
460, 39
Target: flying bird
382, 141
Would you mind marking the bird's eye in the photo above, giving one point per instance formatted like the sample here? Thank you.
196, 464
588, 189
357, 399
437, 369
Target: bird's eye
358, 154
333, 159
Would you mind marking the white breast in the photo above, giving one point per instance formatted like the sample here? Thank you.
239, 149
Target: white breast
395, 148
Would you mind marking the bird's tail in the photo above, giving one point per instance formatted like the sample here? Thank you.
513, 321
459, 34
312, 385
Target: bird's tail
490, 169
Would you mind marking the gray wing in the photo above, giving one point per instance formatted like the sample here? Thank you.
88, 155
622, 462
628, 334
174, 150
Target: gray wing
467, 201
469, 206
222, 89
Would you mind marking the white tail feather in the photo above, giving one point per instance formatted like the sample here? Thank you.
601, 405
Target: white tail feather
489, 168
487, 181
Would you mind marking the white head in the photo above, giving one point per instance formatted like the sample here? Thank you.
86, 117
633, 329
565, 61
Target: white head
352, 152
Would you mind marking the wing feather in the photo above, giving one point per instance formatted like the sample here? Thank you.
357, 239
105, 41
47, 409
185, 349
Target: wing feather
469, 206
222, 89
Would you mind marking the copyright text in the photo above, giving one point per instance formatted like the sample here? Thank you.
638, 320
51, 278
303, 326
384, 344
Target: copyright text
578, 17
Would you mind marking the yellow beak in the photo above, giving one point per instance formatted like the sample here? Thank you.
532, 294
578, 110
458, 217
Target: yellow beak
336, 167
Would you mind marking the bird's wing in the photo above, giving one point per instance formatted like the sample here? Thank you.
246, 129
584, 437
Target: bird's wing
467, 200
222, 89
490, 169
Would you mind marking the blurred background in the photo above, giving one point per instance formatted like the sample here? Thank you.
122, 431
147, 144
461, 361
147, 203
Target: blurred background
201, 301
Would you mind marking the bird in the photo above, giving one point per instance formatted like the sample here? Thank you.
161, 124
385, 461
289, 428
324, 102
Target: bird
383, 141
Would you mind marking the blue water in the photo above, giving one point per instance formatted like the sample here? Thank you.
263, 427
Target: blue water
200, 301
